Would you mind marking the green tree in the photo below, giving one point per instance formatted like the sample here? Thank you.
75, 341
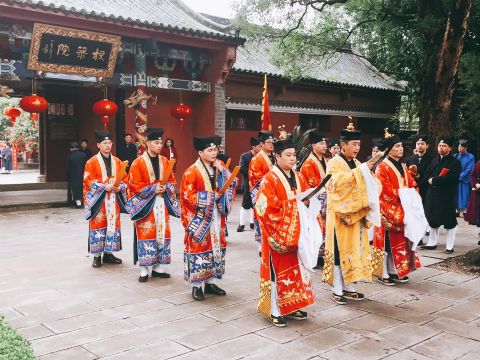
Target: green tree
417, 41
24, 133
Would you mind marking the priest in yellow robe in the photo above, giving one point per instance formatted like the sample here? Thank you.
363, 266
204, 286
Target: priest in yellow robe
352, 207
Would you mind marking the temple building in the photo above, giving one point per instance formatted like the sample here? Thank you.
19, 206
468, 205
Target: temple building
154, 56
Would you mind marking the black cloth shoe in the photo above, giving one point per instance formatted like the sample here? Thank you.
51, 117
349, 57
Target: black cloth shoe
143, 278
241, 228
162, 275
97, 261
339, 299
353, 295
111, 259
320, 263
213, 289
396, 279
428, 247
386, 281
449, 251
197, 293
478, 242
252, 226
420, 243
278, 321
297, 315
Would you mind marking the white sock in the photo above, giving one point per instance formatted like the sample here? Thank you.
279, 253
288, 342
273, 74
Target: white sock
251, 216
202, 284
391, 265
450, 241
97, 254
274, 309
143, 270
384, 270
337, 287
210, 281
242, 216
433, 238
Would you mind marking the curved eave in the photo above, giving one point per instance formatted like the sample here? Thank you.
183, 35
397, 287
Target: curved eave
127, 21
317, 81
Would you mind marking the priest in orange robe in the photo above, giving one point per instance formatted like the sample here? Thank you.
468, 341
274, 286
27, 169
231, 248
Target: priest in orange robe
260, 165
314, 169
285, 285
204, 210
151, 201
103, 202
392, 257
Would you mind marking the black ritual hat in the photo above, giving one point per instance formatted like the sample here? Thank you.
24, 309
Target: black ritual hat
254, 141
350, 133
265, 135
201, 143
102, 135
155, 133
423, 137
280, 145
389, 140
449, 140
315, 136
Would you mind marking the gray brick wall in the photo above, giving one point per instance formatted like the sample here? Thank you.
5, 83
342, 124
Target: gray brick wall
220, 111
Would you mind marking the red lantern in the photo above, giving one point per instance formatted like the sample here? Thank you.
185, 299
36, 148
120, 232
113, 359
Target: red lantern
34, 104
181, 112
105, 108
12, 112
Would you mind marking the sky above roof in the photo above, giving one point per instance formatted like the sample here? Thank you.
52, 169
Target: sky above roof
221, 8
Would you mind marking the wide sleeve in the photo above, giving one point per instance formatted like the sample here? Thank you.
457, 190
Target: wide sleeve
255, 172
136, 179
278, 217
347, 192
467, 170
390, 205
311, 173
451, 177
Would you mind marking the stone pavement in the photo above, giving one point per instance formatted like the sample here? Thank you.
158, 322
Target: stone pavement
68, 310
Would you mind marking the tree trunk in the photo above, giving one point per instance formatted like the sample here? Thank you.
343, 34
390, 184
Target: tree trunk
437, 102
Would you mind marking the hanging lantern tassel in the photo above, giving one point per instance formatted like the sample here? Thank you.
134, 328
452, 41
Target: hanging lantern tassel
181, 112
105, 108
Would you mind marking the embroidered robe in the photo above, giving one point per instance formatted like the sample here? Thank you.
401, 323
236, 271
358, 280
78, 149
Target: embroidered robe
404, 259
347, 208
280, 225
102, 208
204, 220
151, 211
260, 165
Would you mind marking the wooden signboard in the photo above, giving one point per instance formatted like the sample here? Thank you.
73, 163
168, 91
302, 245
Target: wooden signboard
70, 51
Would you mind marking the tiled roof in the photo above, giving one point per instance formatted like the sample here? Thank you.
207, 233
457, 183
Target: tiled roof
344, 68
172, 15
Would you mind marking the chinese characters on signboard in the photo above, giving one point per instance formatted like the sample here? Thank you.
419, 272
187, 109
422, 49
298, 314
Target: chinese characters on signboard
63, 50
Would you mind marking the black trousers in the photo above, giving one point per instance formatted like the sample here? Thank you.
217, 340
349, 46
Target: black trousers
247, 200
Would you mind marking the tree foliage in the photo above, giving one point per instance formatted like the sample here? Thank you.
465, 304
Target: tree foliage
406, 39
24, 133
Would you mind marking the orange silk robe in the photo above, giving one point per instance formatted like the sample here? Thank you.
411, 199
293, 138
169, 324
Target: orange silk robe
404, 258
280, 223
152, 242
97, 200
204, 220
312, 171
259, 166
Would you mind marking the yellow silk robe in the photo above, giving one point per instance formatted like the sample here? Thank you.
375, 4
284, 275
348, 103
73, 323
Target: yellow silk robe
347, 204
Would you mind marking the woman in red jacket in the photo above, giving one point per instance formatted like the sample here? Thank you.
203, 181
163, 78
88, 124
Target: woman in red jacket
170, 152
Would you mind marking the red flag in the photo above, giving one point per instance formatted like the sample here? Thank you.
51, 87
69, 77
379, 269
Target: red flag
266, 121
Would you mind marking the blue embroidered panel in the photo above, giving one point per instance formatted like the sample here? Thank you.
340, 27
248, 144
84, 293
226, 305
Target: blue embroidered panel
226, 201
200, 224
94, 199
170, 197
149, 253
254, 193
99, 241
122, 198
140, 205
199, 267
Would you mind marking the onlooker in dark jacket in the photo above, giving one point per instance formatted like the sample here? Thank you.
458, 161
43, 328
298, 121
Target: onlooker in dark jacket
74, 170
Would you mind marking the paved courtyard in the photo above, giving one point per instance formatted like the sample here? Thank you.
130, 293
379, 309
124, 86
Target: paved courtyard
68, 310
